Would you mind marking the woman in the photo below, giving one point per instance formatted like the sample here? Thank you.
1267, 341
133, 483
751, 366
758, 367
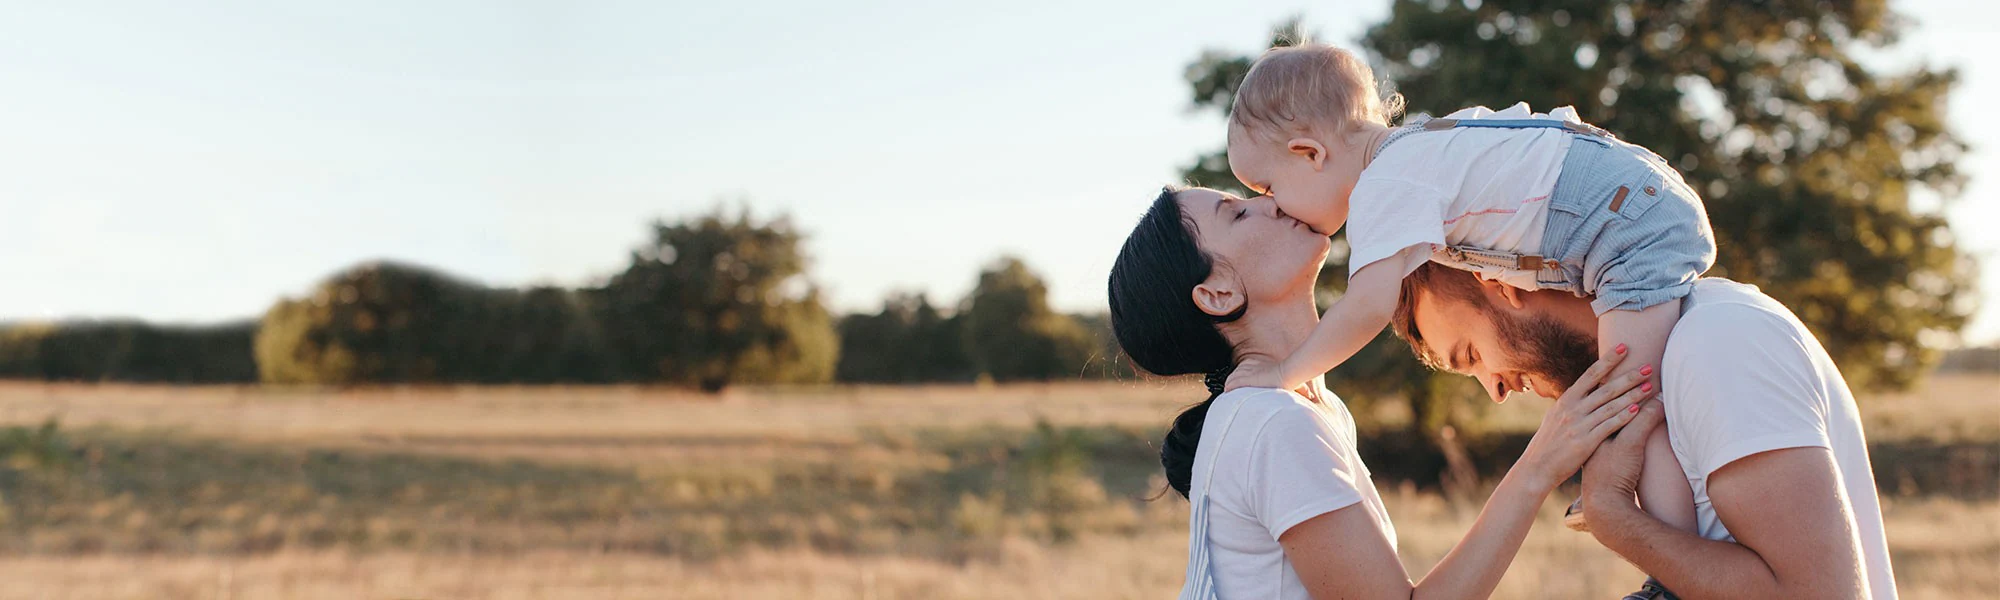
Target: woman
1283, 507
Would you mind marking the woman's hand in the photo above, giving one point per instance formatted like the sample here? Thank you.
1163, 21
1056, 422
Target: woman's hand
1589, 411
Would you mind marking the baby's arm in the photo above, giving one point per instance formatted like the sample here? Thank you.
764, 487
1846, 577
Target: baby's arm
1663, 488
1348, 325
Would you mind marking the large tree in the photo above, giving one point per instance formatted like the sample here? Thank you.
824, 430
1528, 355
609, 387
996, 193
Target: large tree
1805, 155
908, 342
396, 323
1012, 334
720, 299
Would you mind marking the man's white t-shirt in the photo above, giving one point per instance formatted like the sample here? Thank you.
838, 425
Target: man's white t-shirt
1283, 459
1744, 376
1480, 187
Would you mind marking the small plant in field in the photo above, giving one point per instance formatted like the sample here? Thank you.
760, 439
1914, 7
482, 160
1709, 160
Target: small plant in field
34, 448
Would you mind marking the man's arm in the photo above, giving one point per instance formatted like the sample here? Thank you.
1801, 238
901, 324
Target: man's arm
1786, 508
1747, 408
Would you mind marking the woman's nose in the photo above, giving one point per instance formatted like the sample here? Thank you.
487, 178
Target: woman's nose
1268, 205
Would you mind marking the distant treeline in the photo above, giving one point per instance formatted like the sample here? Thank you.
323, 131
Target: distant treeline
714, 300
1971, 360
128, 351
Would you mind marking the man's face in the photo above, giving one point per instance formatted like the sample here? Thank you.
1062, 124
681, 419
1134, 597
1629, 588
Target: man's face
1508, 349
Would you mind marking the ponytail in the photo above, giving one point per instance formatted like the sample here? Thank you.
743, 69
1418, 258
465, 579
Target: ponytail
1177, 450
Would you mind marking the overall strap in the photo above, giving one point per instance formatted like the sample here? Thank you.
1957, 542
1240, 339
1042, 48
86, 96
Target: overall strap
1200, 583
1421, 123
1570, 126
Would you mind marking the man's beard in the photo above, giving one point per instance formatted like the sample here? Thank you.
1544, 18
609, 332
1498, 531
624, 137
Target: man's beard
1544, 347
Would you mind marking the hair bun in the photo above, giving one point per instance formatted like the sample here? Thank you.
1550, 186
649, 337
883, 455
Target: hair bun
1215, 380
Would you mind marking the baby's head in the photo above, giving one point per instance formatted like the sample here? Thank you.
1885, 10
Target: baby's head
1299, 127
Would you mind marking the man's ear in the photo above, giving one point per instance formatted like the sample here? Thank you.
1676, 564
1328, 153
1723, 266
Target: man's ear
1505, 293
1310, 149
1218, 297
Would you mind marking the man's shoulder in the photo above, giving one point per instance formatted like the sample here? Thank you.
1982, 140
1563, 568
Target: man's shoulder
1730, 334
1724, 311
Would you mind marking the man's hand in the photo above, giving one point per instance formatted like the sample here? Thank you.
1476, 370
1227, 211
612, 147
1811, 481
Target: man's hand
1611, 476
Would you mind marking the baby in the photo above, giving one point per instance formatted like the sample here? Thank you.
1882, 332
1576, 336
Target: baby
1527, 201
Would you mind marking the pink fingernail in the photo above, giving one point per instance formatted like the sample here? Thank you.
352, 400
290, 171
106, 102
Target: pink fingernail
1632, 409
1646, 370
1621, 349
1646, 388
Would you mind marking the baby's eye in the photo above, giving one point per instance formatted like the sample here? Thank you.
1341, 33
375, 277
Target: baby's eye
1242, 212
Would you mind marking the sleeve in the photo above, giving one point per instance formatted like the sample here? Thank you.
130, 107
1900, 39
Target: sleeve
1740, 381
1387, 216
1298, 470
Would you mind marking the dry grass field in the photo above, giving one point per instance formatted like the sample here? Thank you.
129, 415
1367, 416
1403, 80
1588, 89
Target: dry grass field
867, 492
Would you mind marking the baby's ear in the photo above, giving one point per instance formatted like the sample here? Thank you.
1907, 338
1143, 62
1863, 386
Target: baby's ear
1309, 149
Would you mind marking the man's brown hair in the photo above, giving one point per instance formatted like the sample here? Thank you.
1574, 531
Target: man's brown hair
1431, 278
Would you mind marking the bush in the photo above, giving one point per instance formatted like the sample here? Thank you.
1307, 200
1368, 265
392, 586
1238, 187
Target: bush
392, 323
129, 351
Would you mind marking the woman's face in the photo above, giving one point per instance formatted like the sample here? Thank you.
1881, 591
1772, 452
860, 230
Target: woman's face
1270, 254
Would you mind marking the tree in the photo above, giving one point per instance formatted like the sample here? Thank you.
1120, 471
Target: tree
718, 300
395, 323
378, 322
1806, 156
1012, 334
908, 342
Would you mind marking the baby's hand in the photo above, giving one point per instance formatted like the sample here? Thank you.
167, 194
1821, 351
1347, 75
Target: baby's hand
1252, 375
1291, 374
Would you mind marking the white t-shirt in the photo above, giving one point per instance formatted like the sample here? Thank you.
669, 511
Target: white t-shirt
1744, 376
1481, 187
1285, 459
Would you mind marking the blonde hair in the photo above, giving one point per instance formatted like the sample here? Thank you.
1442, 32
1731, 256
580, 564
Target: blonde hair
1310, 88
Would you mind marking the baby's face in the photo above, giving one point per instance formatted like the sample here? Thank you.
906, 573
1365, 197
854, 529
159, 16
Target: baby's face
1286, 171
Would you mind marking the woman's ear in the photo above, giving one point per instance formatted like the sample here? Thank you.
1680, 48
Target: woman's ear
1309, 149
1218, 297
1507, 293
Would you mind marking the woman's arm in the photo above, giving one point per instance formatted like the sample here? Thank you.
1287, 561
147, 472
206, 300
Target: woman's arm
1343, 554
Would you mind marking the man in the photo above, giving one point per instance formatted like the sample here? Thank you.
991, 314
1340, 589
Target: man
1764, 425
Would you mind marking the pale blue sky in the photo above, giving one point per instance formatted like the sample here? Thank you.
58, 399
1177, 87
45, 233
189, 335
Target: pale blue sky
193, 163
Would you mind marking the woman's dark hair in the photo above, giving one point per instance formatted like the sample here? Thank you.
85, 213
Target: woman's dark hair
1157, 323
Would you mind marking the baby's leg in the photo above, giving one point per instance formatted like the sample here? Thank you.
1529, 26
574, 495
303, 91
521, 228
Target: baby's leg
1663, 488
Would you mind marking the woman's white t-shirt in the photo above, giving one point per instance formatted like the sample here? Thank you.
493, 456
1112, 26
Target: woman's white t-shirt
1284, 459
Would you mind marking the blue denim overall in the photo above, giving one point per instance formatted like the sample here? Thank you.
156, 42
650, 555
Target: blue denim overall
1622, 224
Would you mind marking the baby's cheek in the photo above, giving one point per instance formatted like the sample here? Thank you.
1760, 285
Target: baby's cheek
1321, 215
